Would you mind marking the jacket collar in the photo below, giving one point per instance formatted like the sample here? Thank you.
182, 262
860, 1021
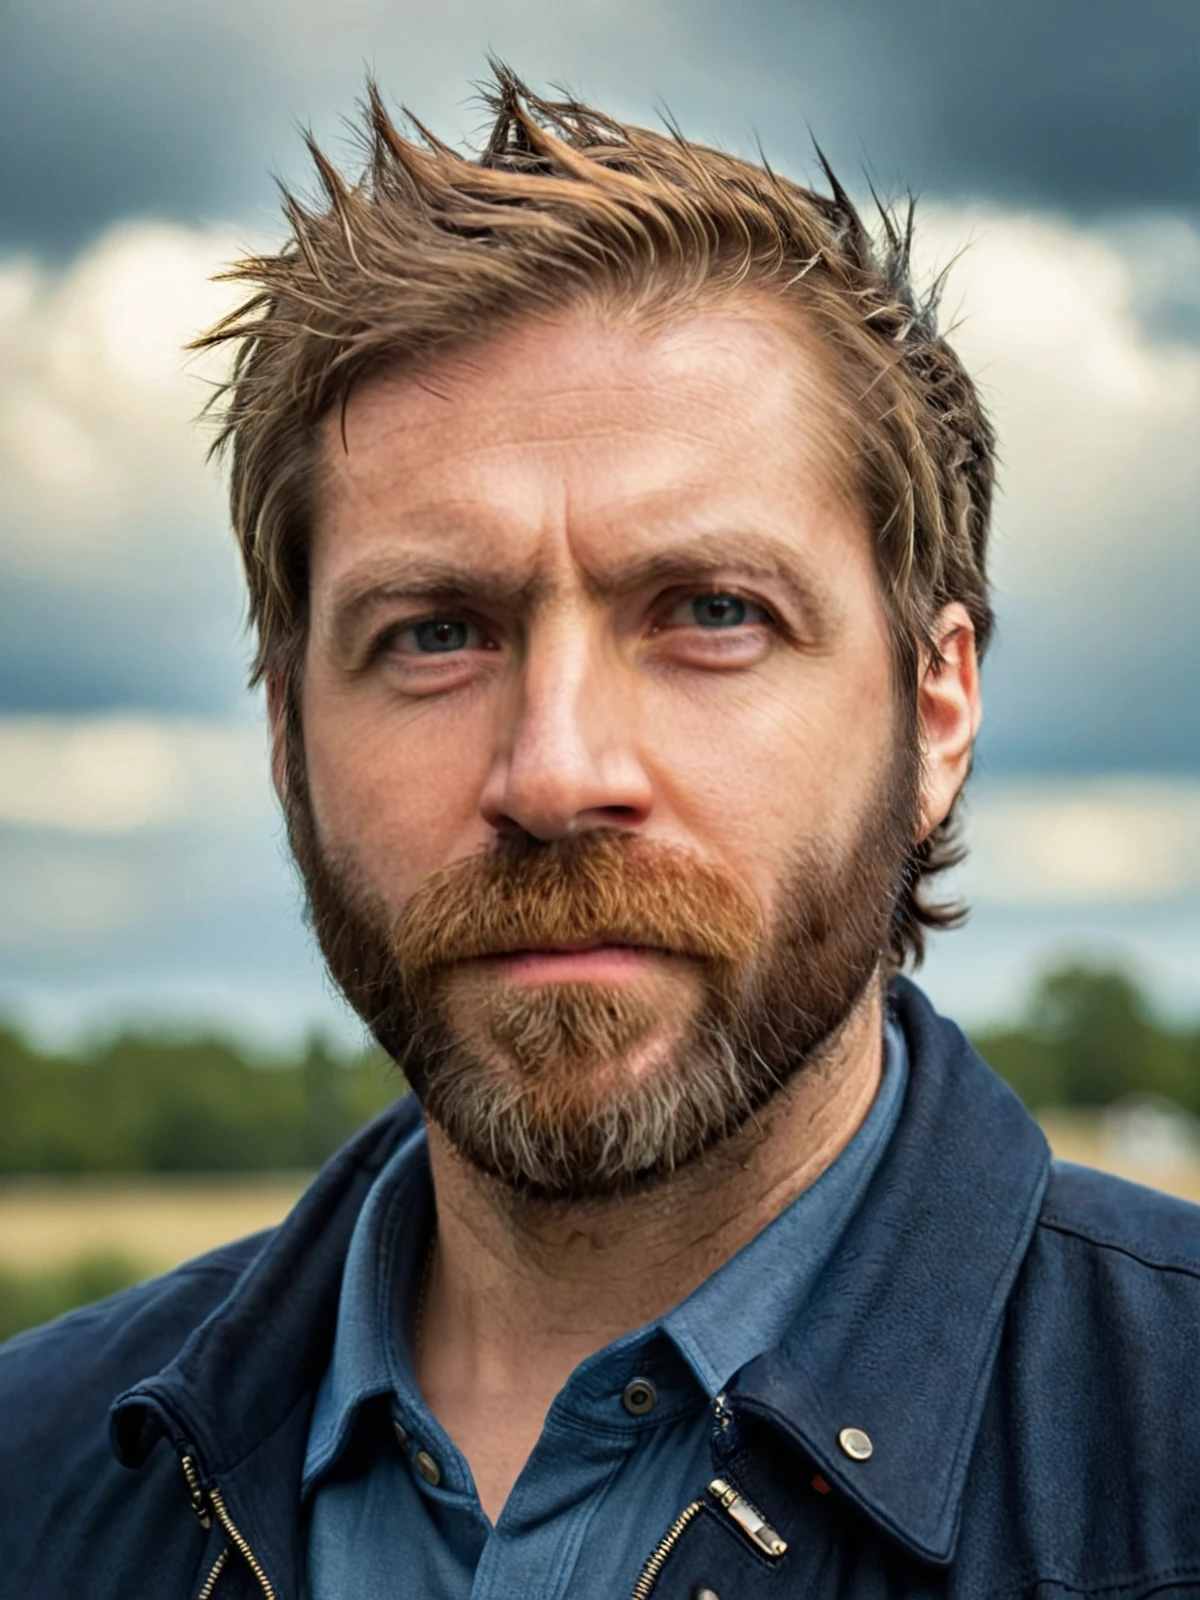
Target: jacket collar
238, 1396
898, 1339
900, 1336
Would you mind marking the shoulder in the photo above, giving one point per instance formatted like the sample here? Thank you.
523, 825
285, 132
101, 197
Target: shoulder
70, 1370
1098, 1387
67, 1520
1089, 1449
1113, 1271
1106, 1214
1113, 1274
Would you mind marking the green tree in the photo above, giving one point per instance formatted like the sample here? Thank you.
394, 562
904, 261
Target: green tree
1089, 1036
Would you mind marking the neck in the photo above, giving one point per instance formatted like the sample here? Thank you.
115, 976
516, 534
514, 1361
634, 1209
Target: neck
520, 1292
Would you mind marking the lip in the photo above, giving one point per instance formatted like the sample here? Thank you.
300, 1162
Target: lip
574, 946
580, 961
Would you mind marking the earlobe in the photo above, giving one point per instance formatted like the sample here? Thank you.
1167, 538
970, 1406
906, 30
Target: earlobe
950, 713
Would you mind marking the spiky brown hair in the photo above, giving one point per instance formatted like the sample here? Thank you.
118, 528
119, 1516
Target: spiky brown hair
427, 250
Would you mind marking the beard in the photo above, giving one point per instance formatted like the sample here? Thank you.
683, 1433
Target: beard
581, 1090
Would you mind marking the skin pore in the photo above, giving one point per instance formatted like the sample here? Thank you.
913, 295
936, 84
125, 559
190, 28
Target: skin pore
594, 575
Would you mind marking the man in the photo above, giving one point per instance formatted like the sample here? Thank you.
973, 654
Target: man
615, 524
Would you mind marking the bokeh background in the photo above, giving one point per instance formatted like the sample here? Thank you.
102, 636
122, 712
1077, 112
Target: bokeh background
143, 880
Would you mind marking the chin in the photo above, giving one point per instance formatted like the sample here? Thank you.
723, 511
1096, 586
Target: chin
572, 1123
607, 1035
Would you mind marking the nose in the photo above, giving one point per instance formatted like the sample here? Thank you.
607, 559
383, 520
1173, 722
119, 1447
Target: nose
568, 757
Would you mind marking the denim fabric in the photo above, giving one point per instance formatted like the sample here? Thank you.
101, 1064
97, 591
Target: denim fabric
1019, 1338
601, 1484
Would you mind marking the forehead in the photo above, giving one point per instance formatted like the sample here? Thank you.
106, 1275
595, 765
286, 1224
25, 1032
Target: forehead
591, 425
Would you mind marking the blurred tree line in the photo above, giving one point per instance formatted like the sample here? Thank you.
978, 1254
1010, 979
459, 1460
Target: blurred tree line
147, 1101
151, 1101
1089, 1037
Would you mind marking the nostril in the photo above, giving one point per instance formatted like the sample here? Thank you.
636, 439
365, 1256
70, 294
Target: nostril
509, 828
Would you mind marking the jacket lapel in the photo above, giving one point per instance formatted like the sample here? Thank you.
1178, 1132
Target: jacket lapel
900, 1337
238, 1397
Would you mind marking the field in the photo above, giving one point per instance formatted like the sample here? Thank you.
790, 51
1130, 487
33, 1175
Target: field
155, 1223
1078, 1136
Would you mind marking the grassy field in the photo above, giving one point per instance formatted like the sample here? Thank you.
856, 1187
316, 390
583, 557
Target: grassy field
1078, 1136
156, 1223
65, 1243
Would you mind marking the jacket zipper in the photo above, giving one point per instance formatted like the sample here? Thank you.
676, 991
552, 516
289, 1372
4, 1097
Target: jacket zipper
735, 1505
218, 1566
650, 1572
206, 1504
751, 1523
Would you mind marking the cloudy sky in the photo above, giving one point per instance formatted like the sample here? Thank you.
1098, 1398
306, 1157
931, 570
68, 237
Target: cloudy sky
1056, 140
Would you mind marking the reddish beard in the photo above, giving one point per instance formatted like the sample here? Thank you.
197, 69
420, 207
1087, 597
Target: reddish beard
569, 1090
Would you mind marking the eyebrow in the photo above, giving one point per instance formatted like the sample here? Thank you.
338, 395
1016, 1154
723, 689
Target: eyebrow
758, 555
421, 578
442, 579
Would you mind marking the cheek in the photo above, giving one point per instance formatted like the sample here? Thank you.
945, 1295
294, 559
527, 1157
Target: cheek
760, 772
395, 790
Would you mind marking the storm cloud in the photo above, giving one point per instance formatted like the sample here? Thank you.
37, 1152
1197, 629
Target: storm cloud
1056, 151
128, 108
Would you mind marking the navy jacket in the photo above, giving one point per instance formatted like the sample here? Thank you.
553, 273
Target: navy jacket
1020, 1342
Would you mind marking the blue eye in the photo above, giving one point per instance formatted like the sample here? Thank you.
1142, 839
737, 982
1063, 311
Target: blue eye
719, 610
440, 635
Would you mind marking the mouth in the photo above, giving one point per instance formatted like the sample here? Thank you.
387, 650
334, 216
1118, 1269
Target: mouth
603, 959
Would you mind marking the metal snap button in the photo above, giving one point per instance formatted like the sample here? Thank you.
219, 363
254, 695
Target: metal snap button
428, 1468
401, 1433
640, 1397
856, 1444
705, 1594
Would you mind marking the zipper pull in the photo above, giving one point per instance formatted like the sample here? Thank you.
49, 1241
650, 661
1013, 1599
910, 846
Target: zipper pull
722, 1415
200, 1503
752, 1523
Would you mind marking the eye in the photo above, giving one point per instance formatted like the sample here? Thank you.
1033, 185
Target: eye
434, 636
713, 611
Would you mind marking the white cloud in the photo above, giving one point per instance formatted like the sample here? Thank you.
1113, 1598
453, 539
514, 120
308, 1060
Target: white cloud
143, 863
58, 904
1096, 415
112, 523
1084, 841
97, 398
120, 775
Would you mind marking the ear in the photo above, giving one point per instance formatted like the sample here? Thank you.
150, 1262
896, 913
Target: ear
949, 713
277, 728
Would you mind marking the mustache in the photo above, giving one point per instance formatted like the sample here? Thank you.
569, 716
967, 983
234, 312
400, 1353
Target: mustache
602, 885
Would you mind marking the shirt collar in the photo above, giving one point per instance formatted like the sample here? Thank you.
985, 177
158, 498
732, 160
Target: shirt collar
370, 1354
739, 1312
900, 1335
750, 1303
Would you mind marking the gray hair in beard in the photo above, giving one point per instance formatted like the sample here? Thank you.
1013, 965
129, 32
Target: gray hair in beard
531, 1092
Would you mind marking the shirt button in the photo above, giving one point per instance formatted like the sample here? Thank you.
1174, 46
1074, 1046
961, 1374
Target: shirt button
640, 1397
428, 1468
401, 1433
856, 1444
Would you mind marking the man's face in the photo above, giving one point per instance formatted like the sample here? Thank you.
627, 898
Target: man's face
589, 608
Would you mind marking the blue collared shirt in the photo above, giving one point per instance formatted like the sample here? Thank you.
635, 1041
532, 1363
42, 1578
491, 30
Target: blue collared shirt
391, 1505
